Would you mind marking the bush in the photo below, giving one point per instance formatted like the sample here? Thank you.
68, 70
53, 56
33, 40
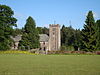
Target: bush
70, 48
15, 52
73, 52
67, 48
63, 48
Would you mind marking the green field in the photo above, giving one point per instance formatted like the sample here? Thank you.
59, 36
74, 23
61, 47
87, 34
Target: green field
24, 64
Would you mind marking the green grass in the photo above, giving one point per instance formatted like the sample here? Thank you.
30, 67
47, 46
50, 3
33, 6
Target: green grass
24, 64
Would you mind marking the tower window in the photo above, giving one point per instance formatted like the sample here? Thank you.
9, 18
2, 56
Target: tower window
53, 29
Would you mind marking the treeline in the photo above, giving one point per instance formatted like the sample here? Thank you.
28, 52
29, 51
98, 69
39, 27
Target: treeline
30, 33
87, 39
70, 38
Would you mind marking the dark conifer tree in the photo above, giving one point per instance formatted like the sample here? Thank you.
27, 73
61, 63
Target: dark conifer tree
88, 33
30, 37
63, 35
45, 31
40, 30
98, 35
77, 42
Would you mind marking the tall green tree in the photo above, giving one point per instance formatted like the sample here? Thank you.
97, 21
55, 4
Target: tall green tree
77, 41
45, 31
40, 30
88, 33
30, 37
63, 35
68, 38
17, 31
98, 35
7, 21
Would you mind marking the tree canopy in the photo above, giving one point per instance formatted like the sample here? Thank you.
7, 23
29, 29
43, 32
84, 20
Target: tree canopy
98, 35
7, 21
30, 37
88, 33
70, 37
87, 39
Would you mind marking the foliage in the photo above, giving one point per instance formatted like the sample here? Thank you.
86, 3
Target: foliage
15, 52
63, 35
69, 52
45, 31
88, 33
40, 30
70, 48
67, 36
30, 37
98, 35
7, 21
17, 31
77, 41
63, 47
70, 37
87, 40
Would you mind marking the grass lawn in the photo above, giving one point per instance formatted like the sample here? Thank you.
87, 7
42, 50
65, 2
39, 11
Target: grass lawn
24, 64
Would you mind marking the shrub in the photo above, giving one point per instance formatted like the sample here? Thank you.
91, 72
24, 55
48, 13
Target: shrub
70, 48
63, 48
15, 52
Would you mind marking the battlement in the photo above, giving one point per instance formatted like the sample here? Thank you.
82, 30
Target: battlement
54, 25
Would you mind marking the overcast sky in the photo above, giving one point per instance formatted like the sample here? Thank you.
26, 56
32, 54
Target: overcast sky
45, 12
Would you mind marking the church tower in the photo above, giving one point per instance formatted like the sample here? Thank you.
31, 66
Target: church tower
54, 37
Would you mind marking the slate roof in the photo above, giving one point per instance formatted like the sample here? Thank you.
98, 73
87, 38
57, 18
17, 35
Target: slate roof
16, 38
44, 38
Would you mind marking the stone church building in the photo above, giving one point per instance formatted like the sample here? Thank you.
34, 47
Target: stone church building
47, 43
53, 41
